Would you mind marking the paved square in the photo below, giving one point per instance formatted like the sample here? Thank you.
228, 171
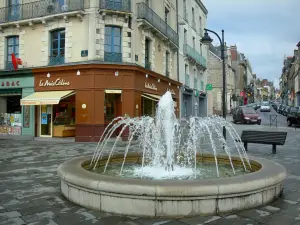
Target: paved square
30, 188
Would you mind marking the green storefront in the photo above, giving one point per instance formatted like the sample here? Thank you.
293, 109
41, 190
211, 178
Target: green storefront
16, 119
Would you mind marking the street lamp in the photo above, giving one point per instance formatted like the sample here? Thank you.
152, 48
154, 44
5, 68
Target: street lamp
208, 40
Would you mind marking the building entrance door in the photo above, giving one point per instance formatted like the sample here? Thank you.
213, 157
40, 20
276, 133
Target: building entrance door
46, 120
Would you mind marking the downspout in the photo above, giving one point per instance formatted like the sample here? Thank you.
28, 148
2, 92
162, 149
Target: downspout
178, 39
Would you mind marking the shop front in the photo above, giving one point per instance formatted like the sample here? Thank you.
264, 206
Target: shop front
187, 102
81, 100
16, 120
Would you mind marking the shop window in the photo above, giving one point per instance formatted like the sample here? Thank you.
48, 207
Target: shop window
112, 46
12, 47
57, 48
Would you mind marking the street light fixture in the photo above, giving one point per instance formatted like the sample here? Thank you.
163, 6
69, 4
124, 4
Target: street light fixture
208, 40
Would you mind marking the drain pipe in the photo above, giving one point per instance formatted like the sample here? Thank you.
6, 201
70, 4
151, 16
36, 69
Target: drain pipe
178, 40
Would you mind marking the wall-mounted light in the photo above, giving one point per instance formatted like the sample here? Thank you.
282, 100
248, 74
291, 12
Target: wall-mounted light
78, 73
137, 106
117, 73
83, 106
146, 75
177, 87
158, 80
48, 75
169, 84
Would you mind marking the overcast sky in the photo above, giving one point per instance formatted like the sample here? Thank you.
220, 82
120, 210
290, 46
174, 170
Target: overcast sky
265, 30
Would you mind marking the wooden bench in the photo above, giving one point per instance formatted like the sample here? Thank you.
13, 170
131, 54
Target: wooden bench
263, 137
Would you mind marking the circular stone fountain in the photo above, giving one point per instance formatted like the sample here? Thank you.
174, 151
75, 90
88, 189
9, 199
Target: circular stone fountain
172, 175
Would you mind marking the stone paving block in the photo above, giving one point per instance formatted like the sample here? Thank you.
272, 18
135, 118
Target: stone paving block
151, 221
11, 214
13, 221
254, 214
278, 219
44, 221
233, 220
200, 220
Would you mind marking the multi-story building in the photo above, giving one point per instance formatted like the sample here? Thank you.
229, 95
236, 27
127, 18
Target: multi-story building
192, 16
85, 62
215, 77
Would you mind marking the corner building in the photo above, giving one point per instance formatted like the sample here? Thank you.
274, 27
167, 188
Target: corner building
92, 60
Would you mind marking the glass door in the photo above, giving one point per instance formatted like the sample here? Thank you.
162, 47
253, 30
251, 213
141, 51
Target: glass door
46, 120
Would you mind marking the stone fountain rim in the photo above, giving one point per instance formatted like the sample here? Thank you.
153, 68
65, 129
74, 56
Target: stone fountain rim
270, 174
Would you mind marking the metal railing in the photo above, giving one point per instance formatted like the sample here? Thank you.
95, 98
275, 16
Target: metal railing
38, 9
146, 13
123, 5
113, 56
148, 65
8, 65
187, 80
191, 52
56, 60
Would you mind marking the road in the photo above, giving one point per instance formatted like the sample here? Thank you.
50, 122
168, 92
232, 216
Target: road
265, 118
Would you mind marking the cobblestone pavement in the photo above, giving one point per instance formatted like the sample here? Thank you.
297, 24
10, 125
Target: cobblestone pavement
30, 188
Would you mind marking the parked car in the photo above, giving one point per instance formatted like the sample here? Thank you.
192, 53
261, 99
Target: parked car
286, 110
280, 108
265, 107
246, 115
293, 116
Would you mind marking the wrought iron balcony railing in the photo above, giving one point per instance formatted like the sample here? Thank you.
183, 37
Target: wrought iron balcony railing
38, 9
116, 5
56, 60
113, 56
146, 13
192, 53
187, 80
148, 65
8, 65
195, 83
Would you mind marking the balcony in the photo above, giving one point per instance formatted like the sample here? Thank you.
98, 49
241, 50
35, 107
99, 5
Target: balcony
56, 60
25, 13
194, 56
116, 5
149, 19
113, 57
187, 80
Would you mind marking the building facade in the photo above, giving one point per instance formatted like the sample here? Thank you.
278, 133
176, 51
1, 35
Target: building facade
192, 16
215, 77
136, 40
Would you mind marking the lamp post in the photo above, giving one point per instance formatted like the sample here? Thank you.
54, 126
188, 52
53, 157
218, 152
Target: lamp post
208, 40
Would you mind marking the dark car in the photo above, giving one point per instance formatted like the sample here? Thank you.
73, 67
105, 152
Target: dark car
282, 109
286, 110
293, 116
275, 106
279, 110
246, 115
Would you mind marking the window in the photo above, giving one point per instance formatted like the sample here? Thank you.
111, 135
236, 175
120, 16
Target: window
112, 47
167, 63
147, 3
186, 69
200, 23
185, 36
166, 15
200, 48
147, 54
184, 10
13, 10
193, 18
202, 86
57, 48
12, 47
195, 80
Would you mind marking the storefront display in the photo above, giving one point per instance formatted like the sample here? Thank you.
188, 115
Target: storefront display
15, 119
85, 98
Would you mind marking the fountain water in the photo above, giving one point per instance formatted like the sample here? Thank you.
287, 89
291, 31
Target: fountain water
169, 146
166, 177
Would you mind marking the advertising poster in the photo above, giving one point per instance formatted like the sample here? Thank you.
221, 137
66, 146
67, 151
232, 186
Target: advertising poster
26, 116
44, 118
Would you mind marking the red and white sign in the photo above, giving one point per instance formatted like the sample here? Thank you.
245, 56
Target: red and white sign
10, 83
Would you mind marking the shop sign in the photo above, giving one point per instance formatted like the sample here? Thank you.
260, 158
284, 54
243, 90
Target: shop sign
150, 86
57, 82
172, 91
10, 83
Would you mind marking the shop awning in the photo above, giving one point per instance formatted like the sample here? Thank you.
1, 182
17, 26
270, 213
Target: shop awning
46, 98
151, 97
107, 91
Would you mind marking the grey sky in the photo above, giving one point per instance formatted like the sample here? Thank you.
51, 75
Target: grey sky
265, 30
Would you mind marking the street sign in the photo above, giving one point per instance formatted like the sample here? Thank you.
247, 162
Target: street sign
209, 87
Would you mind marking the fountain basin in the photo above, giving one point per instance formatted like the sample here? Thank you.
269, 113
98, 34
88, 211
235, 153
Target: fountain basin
171, 198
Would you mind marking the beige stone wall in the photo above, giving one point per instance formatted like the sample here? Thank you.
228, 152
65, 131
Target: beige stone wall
88, 33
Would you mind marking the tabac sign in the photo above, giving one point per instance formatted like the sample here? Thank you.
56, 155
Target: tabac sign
54, 83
